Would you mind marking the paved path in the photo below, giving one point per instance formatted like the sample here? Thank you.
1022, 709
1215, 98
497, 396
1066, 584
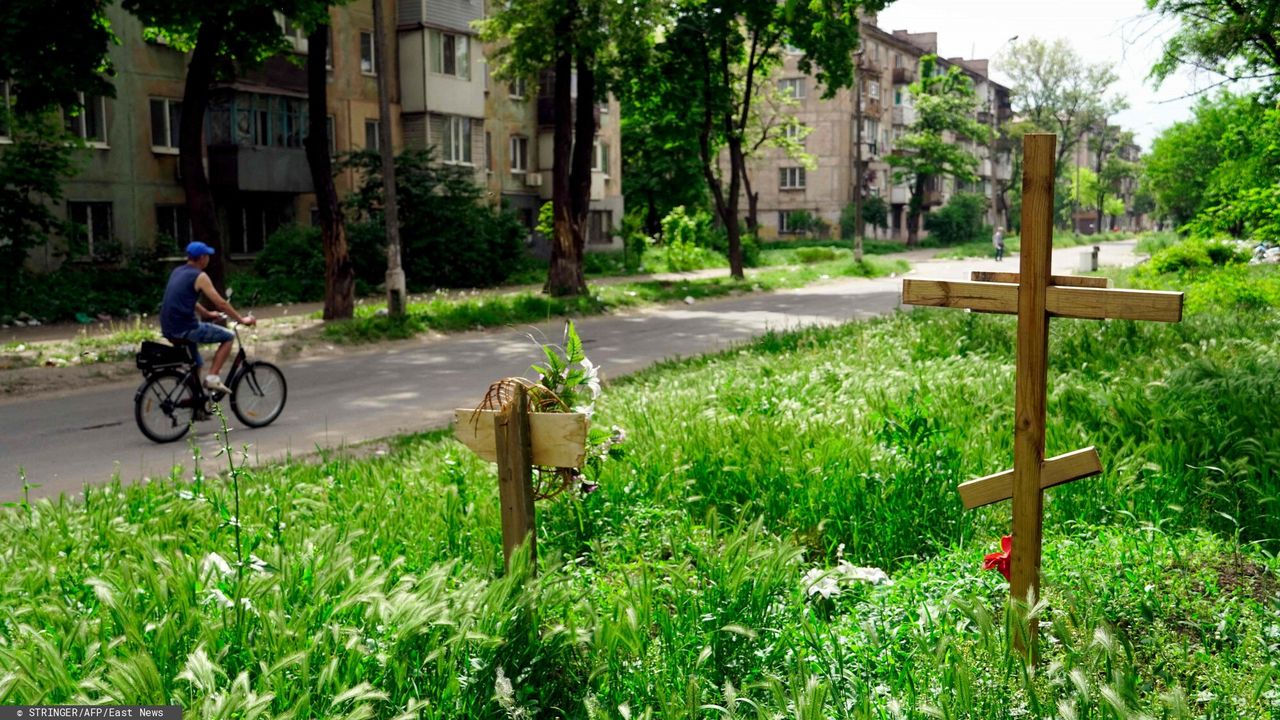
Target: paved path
64, 442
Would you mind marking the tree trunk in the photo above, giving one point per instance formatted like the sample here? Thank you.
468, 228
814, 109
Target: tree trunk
396, 288
753, 202
580, 173
914, 211
732, 224
339, 273
564, 275
195, 184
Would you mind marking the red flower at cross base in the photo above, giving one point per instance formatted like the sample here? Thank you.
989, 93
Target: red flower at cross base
1000, 561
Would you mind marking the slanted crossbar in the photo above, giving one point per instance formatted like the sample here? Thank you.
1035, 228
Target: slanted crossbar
1054, 471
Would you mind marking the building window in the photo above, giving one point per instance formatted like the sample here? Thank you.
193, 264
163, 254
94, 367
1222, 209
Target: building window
792, 87
92, 238
294, 34
791, 178
173, 226
457, 140
257, 222
451, 54
600, 227
518, 89
328, 49
786, 222
897, 60
871, 133
5, 106
166, 117
252, 119
873, 90
372, 137
600, 157
330, 129
367, 65
89, 121
519, 154
796, 132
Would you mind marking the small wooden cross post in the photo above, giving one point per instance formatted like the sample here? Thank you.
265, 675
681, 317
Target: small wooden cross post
518, 440
1035, 295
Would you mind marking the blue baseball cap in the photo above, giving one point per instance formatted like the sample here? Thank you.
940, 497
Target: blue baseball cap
197, 248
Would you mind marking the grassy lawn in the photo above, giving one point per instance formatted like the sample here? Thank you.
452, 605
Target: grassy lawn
497, 309
691, 584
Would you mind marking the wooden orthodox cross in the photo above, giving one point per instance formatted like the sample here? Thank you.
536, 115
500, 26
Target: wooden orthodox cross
1035, 295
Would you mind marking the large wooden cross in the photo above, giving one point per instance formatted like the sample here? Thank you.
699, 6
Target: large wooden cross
1035, 295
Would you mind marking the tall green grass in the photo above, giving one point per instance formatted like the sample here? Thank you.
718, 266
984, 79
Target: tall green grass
684, 587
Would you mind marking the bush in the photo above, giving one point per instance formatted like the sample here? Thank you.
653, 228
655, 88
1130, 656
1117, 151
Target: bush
290, 268
449, 236
810, 255
959, 221
875, 213
82, 291
1194, 255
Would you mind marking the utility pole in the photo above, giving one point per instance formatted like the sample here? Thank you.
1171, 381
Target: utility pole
390, 206
857, 157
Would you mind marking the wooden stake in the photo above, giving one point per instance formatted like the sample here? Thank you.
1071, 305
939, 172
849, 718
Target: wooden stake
515, 477
1032, 368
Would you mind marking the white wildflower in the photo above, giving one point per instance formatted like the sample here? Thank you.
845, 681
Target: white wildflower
820, 582
219, 598
591, 377
874, 576
1205, 696
214, 561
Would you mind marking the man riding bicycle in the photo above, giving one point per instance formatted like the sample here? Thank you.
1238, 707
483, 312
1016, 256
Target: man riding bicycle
181, 311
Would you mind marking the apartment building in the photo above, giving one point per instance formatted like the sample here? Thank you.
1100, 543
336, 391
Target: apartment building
1084, 155
128, 194
882, 105
521, 133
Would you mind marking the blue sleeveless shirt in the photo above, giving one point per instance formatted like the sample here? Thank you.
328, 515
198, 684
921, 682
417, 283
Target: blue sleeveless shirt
178, 311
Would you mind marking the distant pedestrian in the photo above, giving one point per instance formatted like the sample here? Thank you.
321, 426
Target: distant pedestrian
997, 240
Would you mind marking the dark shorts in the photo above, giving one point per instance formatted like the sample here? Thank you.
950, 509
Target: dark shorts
204, 333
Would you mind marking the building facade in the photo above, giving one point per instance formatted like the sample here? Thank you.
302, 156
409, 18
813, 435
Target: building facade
791, 190
127, 196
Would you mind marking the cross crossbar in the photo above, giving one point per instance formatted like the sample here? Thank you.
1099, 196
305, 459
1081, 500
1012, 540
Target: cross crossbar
1070, 302
1054, 471
1061, 280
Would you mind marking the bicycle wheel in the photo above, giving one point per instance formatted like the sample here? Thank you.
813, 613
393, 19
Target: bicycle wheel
258, 393
163, 407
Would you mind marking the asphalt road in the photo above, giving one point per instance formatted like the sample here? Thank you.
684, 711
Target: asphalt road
64, 442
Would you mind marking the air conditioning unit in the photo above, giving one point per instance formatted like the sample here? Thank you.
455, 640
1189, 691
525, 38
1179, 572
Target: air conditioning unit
533, 179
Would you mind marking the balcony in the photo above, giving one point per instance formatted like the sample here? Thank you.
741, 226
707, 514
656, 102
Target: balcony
871, 108
902, 76
904, 115
932, 198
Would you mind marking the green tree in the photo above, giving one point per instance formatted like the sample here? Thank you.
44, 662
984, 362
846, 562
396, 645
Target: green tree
1238, 39
452, 237
583, 43
221, 36
50, 51
1185, 156
1055, 90
661, 167
945, 111
721, 52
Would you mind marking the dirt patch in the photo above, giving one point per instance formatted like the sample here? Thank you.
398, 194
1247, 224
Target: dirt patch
1240, 575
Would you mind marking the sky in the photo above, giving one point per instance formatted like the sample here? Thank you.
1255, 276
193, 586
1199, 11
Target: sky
1117, 31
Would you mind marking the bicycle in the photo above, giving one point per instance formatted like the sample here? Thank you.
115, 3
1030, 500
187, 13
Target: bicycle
171, 397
